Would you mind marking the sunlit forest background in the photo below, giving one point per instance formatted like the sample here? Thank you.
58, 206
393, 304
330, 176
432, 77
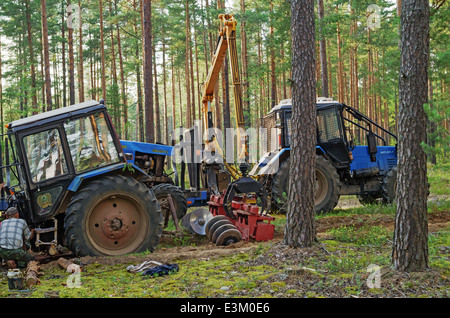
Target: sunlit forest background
57, 53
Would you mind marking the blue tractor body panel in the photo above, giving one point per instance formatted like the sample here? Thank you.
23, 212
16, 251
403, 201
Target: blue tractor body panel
386, 158
155, 149
76, 182
197, 198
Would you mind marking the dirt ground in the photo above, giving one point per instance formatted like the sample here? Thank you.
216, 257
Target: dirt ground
205, 250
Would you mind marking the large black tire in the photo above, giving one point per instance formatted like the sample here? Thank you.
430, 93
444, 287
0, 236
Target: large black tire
113, 215
178, 198
389, 186
280, 186
327, 186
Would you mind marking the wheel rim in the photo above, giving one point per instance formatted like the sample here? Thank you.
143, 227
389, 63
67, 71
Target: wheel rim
117, 225
321, 187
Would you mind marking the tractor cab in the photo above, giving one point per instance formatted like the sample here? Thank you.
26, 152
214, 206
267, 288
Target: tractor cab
352, 155
48, 152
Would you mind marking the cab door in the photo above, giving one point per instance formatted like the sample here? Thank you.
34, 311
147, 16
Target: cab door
47, 168
330, 135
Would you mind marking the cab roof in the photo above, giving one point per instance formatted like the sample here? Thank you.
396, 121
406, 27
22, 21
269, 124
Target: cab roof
322, 102
54, 115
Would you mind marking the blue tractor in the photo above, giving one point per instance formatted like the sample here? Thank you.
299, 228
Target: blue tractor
68, 174
342, 168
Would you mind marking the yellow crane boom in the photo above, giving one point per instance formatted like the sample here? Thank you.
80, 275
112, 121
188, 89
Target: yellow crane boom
226, 42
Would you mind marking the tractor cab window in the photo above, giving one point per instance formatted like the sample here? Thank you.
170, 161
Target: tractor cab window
328, 128
90, 142
288, 118
45, 155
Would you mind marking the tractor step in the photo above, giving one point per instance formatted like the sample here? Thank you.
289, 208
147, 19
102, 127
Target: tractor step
53, 229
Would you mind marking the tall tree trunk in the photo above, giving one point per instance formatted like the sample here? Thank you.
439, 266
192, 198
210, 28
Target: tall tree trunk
174, 124
63, 53
340, 72
300, 230
48, 82
323, 50
114, 83
102, 50
432, 125
32, 62
124, 111
71, 58
273, 81
166, 127
80, 58
172, 71
244, 62
148, 73
140, 110
1, 93
410, 248
157, 109
186, 65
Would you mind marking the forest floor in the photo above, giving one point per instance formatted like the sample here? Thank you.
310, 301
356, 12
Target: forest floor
351, 240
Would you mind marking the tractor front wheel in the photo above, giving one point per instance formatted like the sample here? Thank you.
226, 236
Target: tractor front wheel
162, 191
113, 215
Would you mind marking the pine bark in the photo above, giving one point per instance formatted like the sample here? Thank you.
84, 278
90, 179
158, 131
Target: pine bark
323, 50
1, 94
410, 248
300, 228
273, 82
148, 73
80, 58
102, 51
122, 82
48, 82
187, 69
32, 62
63, 53
244, 62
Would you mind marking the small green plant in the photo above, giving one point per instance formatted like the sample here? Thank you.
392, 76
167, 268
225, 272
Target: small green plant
362, 236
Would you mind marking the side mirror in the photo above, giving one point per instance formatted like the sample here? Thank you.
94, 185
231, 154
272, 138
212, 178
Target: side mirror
372, 145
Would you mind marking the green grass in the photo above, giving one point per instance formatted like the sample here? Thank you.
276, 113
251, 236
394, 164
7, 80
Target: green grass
337, 266
439, 179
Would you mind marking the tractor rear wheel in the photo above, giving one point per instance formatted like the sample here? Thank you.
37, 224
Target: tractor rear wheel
113, 215
326, 188
389, 186
178, 198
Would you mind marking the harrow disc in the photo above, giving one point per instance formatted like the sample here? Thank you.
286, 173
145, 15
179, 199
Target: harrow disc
212, 221
220, 230
215, 226
228, 237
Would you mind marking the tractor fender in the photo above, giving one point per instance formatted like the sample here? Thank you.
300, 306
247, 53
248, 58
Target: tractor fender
136, 173
270, 162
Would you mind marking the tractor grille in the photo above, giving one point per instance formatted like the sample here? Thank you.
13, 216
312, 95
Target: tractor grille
269, 122
391, 163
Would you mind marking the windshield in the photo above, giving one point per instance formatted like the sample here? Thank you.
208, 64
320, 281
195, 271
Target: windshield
90, 142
